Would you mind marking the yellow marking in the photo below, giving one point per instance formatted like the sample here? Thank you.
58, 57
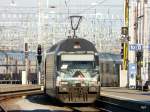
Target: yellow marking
125, 57
127, 13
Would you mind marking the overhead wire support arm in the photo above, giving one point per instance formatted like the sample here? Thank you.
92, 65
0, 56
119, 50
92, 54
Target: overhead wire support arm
74, 24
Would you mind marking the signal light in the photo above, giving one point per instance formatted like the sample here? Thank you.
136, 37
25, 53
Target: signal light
39, 50
39, 59
124, 55
26, 47
139, 56
122, 50
124, 30
39, 56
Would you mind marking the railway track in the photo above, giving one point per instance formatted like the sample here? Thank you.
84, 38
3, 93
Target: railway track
85, 108
2, 109
4, 96
98, 106
113, 107
78, 107
20, 92
13, 90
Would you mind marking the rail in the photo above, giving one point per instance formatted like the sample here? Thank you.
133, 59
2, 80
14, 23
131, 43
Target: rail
15, 89
85, 108
12, 93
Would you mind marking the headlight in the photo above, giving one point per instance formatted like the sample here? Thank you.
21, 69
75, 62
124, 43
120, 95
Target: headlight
63, 89
93, 83
64, 82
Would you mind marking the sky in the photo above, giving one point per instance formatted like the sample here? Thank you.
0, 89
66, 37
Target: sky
34, 3
108, 9
19, 3
74, 6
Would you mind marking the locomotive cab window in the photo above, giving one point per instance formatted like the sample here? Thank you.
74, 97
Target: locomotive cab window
58, 62
97, 60
78, 64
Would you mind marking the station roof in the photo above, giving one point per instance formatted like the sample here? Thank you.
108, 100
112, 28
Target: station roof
19, 55
109, 57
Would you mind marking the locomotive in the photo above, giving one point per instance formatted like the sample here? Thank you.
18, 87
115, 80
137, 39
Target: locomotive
72, 71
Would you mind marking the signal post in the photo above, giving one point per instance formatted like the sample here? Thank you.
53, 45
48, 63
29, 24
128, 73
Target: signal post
124, 46
39, 60
132, 65
25, 72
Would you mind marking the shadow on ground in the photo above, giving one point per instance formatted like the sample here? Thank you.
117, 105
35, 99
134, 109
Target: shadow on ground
38, 110
44, 100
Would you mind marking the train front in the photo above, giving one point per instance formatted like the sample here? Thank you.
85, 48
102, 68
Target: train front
78, 79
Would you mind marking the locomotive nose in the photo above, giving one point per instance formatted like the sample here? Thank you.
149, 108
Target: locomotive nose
79, 74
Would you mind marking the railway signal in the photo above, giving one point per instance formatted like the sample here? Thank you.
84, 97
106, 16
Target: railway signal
39, 50
124, 46
122, 50
124, 30
26, 50
25, 73
39, 54
125, 37
124, 55
139, 58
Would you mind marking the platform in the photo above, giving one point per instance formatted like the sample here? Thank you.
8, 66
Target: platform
133, 100
126, 94
13, 88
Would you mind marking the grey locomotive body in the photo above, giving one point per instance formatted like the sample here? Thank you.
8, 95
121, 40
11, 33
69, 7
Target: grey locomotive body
72, 71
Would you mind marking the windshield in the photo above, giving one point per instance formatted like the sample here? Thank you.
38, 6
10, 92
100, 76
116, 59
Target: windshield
79, 64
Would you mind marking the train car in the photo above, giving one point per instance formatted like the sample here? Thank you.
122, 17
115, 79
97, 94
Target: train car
72, 71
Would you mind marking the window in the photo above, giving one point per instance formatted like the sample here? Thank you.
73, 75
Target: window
79, 64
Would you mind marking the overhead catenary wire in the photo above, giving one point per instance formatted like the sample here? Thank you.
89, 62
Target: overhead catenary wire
62, 24
66, 4
84, 10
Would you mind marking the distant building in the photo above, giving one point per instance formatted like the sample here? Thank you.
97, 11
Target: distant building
13, 63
